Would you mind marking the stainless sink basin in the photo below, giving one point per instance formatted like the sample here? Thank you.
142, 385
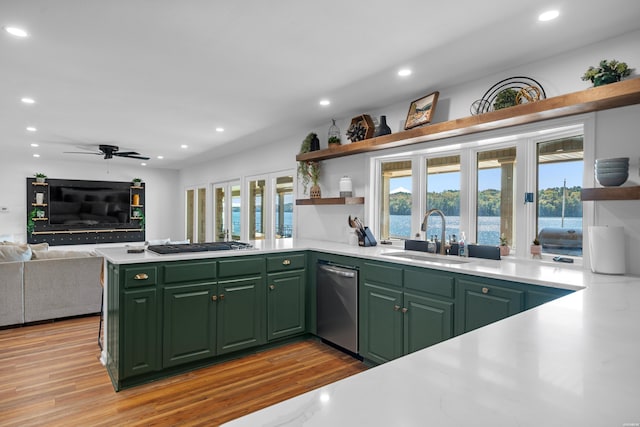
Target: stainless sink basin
426, 257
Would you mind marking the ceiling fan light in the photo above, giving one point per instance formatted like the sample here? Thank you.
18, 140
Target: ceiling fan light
549, 15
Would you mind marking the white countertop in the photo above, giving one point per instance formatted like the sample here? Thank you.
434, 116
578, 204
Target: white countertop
573, 361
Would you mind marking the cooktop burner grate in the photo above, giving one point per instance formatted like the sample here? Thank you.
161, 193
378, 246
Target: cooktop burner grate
198, 247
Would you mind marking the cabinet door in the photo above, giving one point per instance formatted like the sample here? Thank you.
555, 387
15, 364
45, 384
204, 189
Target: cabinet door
381, 323
285, 304
538, 295
240, 314
427, 321
189, 326
140, 349
483, 303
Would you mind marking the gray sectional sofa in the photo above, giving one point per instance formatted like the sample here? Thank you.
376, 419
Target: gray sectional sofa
59, 284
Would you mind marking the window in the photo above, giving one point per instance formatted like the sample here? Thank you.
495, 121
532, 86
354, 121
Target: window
283, 204
515, 187
495, 195
257, 209
443, 192
395, 199
227, 211
196, 215
559, 208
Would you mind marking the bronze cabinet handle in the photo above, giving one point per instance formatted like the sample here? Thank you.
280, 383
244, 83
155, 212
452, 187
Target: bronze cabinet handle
221, 296
286, 262
214, 297
485, 290
272, 287
141, 276
404, 309
396, 307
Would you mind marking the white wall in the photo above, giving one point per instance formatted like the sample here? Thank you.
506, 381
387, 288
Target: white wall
162, 189
615, 136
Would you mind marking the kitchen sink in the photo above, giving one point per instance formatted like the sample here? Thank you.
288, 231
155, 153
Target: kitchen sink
427, 257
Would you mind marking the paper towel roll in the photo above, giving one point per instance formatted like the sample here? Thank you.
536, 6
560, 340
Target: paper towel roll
607, 249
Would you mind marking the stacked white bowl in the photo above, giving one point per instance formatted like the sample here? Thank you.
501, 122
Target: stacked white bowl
612, 172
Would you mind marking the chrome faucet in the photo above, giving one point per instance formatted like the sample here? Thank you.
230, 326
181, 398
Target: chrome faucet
444, 226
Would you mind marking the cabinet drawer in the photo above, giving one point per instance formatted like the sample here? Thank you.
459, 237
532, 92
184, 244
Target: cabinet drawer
428, 281
285, 262
240, 267
189, 272
138, 276
382, 273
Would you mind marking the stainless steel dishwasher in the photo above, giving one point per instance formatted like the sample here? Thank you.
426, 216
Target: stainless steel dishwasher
337, 305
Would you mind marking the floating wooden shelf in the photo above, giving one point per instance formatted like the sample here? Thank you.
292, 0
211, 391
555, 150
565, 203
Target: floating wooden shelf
39, 183
40, 219
611, 193
39, 204
626, 92
332, 201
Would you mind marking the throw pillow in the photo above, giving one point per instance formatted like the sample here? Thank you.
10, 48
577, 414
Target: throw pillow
60, 254
9, 253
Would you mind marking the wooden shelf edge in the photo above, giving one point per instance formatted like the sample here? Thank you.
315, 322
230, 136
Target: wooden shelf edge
610, 193
331, 201
620, 94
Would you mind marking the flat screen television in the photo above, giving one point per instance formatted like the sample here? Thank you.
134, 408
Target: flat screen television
80, 203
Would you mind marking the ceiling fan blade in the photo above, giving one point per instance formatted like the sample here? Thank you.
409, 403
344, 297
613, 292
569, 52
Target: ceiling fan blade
130, 156
125, 153
82, 152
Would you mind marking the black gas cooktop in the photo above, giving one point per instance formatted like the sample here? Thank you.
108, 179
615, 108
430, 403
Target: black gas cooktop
198, 247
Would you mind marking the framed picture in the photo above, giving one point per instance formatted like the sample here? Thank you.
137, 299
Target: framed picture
420, 111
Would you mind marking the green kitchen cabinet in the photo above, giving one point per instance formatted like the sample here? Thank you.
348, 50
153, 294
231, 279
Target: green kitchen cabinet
139, 333
484, 301
427, 321
240, 314
381, 322
189, 323
286, 295
538, 295
286, 304
411, 310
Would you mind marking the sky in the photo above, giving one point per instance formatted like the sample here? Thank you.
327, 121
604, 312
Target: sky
550, 176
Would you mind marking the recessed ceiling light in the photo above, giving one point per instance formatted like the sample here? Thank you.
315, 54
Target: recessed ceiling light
184, 146
33, 144
404, 72
32, 129
143, 164
324, 102
219, 129
160, 157
28, 100
548, 15
36, 155
15, 31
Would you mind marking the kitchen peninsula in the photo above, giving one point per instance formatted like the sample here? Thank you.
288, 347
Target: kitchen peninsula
570, 361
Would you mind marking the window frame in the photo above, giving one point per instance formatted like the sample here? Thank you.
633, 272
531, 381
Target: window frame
525, 139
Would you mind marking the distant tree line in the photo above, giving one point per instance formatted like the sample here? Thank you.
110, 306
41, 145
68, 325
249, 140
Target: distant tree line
549, 202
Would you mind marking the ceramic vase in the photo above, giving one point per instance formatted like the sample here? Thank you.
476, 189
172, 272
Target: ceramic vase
314, 192
383, 128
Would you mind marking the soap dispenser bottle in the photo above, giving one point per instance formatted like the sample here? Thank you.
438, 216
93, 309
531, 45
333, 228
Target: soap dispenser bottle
462, 247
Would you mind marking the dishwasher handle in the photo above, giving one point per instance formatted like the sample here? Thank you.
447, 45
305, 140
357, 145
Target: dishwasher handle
337, 270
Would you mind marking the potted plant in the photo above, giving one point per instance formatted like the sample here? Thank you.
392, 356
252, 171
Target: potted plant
506, 98
40, 177
136, 182
137, 214
31, 220
504, 246
334, 141
536, 248
606, 72
309, 171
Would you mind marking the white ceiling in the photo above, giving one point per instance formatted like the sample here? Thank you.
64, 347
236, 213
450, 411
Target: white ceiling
150, 75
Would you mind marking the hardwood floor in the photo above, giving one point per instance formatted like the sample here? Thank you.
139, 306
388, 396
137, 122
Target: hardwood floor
50, 375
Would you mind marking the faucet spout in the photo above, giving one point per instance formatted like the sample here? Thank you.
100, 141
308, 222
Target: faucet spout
444, 227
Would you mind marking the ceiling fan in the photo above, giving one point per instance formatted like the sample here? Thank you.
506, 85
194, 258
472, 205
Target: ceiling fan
109, 151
